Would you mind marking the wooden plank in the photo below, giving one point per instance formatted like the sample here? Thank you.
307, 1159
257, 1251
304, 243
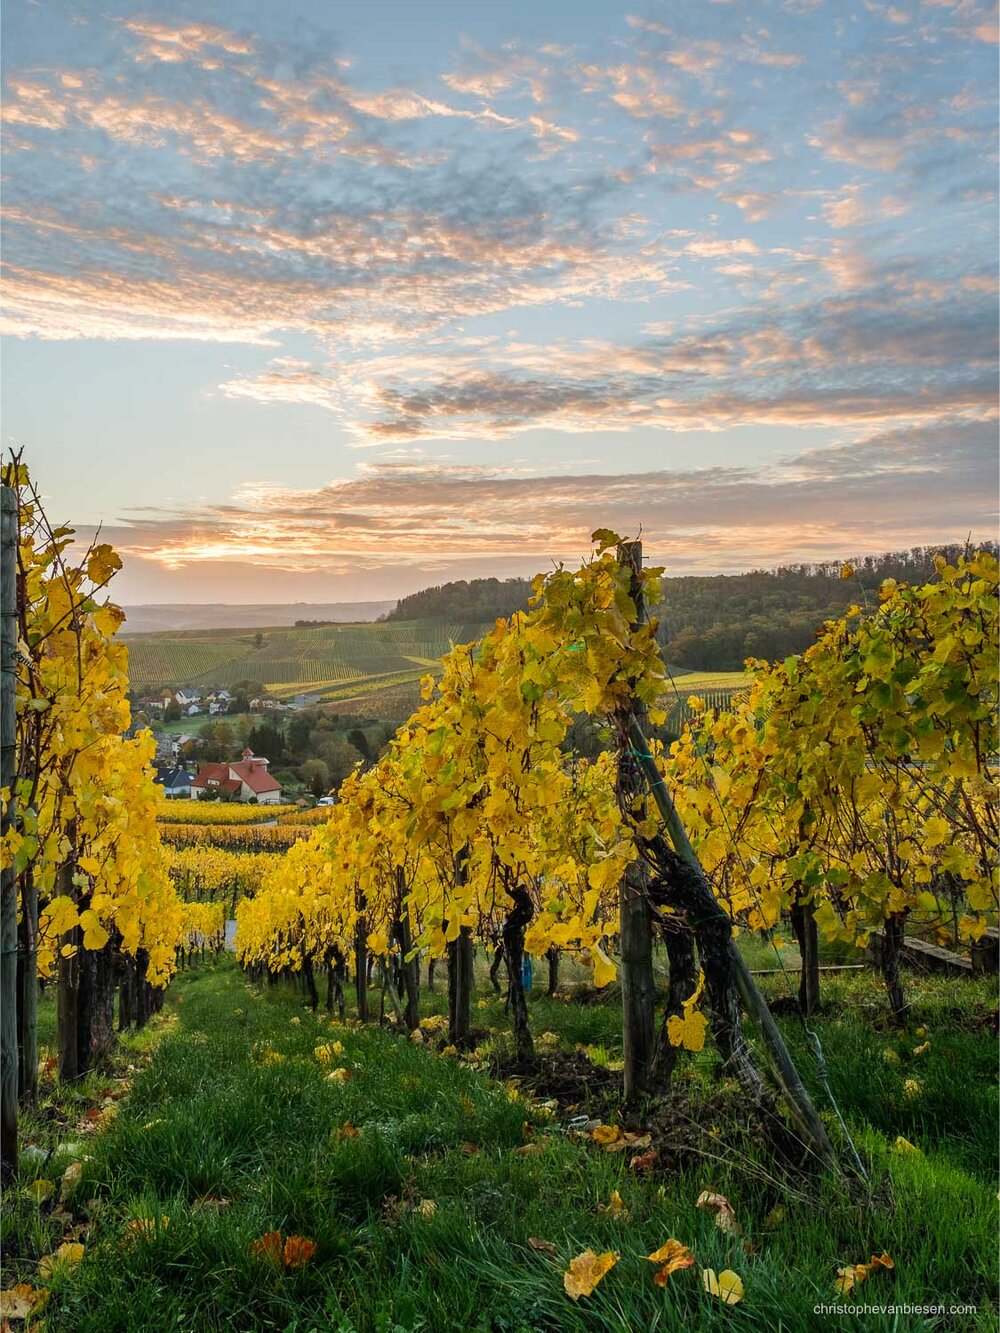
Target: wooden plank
792, 970
925, 957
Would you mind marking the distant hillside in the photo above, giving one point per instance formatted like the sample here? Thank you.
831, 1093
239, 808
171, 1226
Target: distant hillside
331, 661
218, 615
714, 622
481, 600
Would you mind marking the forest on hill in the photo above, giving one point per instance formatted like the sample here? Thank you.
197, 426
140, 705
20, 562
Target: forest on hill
714, 622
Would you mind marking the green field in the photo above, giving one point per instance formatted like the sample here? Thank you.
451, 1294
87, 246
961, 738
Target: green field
371, 669
292, 661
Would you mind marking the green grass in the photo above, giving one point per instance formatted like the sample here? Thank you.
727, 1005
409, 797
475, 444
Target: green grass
206, 1119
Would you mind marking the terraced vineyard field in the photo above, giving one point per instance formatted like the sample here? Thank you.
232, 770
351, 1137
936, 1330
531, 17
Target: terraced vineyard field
336, 659
716, 688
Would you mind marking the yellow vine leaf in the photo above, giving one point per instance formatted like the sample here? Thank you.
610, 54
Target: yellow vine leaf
614, 1208
604, 969
586, 1271
68, 1255
21, 1301
672, 1257
727, 1286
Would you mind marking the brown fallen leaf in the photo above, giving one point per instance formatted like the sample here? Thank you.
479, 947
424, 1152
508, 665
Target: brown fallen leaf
644, 1161
66, 1256
298, 1251
544, 1246
212, 1202
21, 1301
721, 1209
71, 1178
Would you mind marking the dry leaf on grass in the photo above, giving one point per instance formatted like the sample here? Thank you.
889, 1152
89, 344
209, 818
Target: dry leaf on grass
614, 1208
728, 1286
290, 1253
41, 1189
722, 1210
145, 1228
298, 1251
644, 1161
585, 1271
852, 1275
543, 1246
21, 1301
71, 1178
606, 1134
67, 1255
672, 1256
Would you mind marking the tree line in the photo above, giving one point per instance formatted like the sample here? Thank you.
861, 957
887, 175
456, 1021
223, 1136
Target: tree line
715, 622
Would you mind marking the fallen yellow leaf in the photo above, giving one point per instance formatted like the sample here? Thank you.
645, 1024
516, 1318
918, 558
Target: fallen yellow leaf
68, 1255
605, 1134
672, 1256
585, 1271
728, 1286
614, 1208
21, 1301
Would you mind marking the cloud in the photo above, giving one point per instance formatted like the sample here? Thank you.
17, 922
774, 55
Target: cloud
755, 216
421, 515
894, 347
162, 41
641, 90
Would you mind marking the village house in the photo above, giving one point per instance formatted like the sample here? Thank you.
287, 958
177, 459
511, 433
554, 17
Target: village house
243, 781
175, 782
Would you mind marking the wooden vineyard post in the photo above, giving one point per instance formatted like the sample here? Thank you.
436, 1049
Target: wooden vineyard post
460, 971
637, 981
810, 1126
27, 988
411, 966
361, 959
8, 878
807, 937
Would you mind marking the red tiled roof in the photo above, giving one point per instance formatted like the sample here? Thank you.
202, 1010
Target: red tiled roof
216, 775
257, 779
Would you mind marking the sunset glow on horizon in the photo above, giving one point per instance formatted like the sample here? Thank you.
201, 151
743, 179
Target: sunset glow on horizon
316, 303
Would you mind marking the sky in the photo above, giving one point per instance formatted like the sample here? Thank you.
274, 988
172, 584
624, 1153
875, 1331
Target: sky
333, 301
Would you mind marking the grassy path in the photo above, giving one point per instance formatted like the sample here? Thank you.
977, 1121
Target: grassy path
421, 1180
